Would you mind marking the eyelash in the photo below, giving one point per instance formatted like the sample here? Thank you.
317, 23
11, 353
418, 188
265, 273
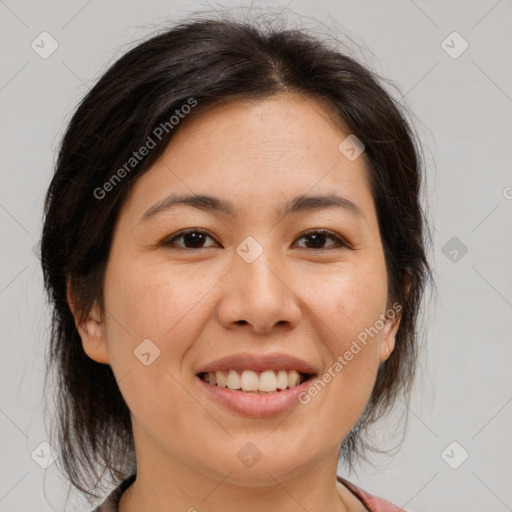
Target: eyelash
339, 241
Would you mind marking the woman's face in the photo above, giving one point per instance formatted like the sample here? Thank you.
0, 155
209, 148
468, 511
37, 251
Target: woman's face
257, 284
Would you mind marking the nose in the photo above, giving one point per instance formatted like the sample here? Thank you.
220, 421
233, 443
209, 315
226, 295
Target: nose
258, 294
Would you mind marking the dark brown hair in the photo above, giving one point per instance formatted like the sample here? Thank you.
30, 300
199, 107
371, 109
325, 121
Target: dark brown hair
209, 60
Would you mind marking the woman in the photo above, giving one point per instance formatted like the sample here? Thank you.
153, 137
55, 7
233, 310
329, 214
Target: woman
235, 253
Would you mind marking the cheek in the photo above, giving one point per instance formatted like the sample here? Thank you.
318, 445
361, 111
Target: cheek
348, 302
158, 302
347, 306
350, 365
167, 307
153, 303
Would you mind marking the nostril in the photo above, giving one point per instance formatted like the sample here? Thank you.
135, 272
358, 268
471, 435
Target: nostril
241, 322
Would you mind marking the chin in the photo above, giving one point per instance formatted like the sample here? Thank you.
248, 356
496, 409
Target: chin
259, 463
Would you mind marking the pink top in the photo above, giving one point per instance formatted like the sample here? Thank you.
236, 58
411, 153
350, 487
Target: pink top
372, 503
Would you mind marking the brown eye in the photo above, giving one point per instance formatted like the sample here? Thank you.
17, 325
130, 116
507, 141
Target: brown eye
192, 239
318, 237
195, 239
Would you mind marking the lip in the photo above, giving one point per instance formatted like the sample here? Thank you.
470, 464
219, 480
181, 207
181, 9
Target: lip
257, 405
258, 362
253, 404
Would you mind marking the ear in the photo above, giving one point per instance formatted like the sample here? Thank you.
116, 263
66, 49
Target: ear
91, 330
388, 335
391, 324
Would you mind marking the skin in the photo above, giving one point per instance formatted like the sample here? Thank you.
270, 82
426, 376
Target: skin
310, 303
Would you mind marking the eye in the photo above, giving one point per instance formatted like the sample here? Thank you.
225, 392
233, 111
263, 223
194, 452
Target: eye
317, 238
194, 238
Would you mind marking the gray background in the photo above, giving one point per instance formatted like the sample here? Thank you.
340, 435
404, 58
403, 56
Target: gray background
463, 107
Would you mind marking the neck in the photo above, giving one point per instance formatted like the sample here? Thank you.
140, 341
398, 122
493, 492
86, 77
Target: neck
187, 490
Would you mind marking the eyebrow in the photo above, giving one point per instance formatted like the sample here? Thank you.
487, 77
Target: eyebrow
209, 203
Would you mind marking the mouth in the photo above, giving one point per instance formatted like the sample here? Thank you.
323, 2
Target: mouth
256, 382
255, 385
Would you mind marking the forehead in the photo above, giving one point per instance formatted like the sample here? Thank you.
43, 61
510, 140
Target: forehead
257, 150
277, 125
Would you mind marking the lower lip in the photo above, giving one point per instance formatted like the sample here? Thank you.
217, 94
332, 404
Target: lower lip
256, 405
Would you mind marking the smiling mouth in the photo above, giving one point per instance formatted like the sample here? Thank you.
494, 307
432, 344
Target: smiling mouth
249, 381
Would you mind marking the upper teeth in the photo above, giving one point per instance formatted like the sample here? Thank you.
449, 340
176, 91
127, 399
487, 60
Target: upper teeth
248, 380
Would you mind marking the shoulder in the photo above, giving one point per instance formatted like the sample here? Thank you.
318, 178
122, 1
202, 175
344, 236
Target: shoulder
111, 503
371, 502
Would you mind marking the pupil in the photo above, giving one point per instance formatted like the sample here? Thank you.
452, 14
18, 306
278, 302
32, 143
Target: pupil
194, 238
318, 237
